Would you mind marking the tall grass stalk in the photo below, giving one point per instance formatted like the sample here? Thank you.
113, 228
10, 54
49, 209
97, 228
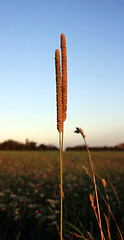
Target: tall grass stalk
59, 123
61, 92
61, 190
79, 130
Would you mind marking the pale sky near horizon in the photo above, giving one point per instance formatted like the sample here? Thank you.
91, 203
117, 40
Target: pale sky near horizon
29, 35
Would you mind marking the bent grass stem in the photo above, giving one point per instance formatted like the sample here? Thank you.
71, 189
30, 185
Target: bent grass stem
79, 130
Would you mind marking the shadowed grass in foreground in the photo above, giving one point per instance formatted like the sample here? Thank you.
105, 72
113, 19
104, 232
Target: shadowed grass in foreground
29, 193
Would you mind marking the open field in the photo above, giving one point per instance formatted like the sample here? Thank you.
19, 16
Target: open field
29, 193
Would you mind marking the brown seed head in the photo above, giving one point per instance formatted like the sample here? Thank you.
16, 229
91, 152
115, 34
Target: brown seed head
79, 130
58, 91
64, 75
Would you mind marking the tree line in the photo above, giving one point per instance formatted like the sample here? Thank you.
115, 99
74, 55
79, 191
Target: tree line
28, 145
31, 145
118, 147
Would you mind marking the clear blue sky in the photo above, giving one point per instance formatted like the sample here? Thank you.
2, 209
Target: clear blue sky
29, 35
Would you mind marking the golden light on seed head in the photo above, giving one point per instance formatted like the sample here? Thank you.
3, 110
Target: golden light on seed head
58, 91
64, 74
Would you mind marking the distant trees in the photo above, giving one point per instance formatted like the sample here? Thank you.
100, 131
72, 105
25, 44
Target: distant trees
28, 145
76, 148
11, 145
118, 147
32, 146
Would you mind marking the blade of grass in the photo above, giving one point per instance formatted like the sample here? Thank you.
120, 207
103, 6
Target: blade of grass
74, 227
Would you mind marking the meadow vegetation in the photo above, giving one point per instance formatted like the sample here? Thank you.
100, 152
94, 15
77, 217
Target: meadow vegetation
30, 194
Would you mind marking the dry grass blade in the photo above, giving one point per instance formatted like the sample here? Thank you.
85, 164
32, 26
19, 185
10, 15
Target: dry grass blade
115, 192
109, 235
74, 227
92, 198
59, 231
107, 203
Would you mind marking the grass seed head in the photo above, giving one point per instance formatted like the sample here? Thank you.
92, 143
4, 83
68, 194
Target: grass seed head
58, 91
79, 130
64, 74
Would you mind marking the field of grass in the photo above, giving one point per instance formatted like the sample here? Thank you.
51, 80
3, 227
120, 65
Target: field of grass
30, 201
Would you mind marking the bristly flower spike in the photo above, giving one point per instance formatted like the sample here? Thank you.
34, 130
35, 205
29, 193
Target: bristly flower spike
58, 91
64, 74
79, 130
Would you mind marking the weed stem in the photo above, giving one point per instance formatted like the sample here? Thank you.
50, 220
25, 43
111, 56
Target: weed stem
79, 130
60, 149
